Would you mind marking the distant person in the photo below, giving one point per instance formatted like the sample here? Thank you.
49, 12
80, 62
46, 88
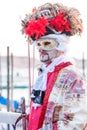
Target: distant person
59, 95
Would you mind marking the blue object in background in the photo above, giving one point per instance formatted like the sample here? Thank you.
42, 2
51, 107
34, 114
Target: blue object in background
3, 101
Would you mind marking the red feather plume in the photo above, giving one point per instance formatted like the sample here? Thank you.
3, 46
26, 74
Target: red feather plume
60, 24
36, 27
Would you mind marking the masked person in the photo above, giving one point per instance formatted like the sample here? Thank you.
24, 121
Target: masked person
58, 98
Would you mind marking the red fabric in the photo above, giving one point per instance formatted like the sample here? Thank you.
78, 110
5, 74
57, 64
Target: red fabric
34, 118
37, 115
55, 126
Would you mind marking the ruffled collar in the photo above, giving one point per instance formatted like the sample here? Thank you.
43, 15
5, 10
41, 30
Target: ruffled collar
40, 84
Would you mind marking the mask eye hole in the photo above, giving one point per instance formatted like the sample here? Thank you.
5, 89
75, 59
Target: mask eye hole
46, 43
38, 44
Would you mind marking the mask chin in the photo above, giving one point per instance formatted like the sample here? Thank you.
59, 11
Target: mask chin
50, 56
45, 59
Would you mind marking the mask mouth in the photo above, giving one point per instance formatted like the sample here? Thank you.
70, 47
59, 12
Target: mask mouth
46, 43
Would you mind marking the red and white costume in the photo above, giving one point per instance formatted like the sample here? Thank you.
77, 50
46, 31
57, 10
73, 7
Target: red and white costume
59, 95
68, 92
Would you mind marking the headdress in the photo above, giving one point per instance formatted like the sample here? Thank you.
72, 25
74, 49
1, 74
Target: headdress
52, 19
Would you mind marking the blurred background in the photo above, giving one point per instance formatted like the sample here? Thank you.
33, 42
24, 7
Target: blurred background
17, 64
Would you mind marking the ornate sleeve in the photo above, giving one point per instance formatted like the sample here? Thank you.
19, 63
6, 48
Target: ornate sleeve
73, 115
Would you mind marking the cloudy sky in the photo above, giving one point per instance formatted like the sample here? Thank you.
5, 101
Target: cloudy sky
11, 12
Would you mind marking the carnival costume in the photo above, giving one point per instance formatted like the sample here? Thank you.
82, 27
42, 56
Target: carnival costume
59, 90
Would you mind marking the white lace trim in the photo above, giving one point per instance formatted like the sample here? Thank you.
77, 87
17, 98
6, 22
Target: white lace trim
41, 81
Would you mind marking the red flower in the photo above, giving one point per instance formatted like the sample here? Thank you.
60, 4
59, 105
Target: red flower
36, 27
59, 23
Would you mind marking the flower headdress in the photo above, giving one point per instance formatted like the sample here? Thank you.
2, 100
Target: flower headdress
52, 19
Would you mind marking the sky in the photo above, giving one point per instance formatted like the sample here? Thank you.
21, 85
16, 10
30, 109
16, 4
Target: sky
11, 13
